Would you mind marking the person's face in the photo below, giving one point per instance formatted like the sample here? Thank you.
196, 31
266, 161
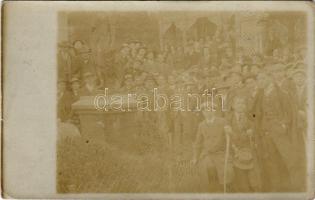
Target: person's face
179, 49
256, 59
137, 45
171, 80
234, 79
78, 45
262, 80
129, 82
150, 56
250, 83
191, 88
229, 52
275, 53
161, 80
302, 53
254, 69
85, 56
61, 87
208, 114
206, 70
160, 58
299, 79
64, 53
213, 68
286, 52
137, 65
196, 46
75, 86
278, 75
90, 80
143, 75
239, 105
246, 69
166, 48
149, 84
206, 51
138, 80
132, 45
125, 51
217, 39
142, 52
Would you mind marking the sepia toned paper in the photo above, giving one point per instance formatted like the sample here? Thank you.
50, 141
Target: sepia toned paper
195, 100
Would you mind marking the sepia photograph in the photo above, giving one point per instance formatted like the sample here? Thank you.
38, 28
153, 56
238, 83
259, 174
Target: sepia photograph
217, 102
178, 100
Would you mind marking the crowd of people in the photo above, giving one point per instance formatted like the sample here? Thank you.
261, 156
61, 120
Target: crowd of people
256, 145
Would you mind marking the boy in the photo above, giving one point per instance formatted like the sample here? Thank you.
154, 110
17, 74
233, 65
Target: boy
212, 150
247, 174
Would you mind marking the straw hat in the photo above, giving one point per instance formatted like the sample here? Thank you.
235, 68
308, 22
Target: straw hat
244, 159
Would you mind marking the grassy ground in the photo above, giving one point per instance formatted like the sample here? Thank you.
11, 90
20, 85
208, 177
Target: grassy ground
124, 164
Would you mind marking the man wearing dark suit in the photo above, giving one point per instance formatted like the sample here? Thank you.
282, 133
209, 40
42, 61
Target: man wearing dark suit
275, 118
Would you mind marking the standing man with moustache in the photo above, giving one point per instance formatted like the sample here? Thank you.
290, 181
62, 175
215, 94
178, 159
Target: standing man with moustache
275, 119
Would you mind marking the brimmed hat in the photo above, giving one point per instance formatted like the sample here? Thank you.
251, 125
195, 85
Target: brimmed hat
297, 71
88, 74
64, 44
189, 82
244, 159
84, 50
278, 67
300, 65
150, 78
62, 81
74, 79
128, 76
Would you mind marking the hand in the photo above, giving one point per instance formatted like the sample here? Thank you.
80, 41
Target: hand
236, 150
250, 132
302, 113
194, 161
284, 126
228, 129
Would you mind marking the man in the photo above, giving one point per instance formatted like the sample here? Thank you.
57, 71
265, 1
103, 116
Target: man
211, 149
74, 95
63, 102
77, 46
64, 61
161, 66
141, 54
149, 63
128, 84
247, 173
83, 63
275, 115
90, 86
138, 84
205, 60
75, 89
299, 78
122, 61
278, 73
250, 90
235, 83
149, 125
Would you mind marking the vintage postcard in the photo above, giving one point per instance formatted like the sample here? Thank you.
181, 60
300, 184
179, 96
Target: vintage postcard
159, 100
